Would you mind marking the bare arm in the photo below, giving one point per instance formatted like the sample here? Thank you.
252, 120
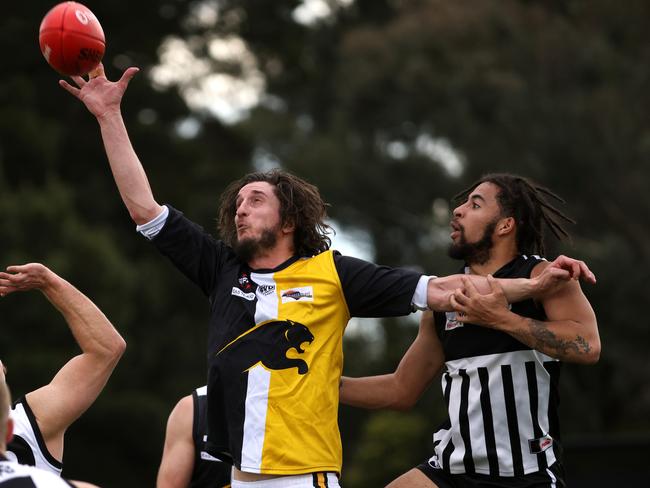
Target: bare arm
178, 454
570, 332
103, 99
554, 276
399, 390
78, 383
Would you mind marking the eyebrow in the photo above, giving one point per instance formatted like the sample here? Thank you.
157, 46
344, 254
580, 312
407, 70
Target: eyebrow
476, 197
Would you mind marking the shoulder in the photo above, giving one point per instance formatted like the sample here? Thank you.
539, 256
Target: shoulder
182, 415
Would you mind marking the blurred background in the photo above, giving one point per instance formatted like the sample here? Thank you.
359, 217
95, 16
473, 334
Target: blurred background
391, 107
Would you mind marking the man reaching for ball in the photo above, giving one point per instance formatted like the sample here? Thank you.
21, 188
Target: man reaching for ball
275, 285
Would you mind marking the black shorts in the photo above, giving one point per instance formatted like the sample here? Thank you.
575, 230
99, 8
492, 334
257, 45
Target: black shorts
552, 477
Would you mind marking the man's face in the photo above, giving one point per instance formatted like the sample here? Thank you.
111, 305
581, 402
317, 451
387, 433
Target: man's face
257, 219
473, 225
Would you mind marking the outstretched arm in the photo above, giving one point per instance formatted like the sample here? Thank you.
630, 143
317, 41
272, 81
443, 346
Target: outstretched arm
178, 454
76, 386
570, 332
553, 278
103, 99
399, 390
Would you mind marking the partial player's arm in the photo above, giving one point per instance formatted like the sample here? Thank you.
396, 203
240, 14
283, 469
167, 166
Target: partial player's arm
76, 386
554, 276
570, 332
178, 454
103, 99
399, 390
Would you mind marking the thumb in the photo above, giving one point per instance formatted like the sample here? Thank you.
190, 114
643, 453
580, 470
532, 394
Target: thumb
128, 75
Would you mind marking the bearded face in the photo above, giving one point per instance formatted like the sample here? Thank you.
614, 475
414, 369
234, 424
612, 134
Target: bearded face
248, 248
473, 252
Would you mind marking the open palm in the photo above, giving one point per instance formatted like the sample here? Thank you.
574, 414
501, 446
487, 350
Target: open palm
100, 95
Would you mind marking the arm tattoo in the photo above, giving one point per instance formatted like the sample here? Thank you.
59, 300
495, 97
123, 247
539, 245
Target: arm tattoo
546, 339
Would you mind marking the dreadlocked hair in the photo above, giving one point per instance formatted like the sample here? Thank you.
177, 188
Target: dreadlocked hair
300, 205
528, 203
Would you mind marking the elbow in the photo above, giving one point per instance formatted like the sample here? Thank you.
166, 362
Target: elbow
116, 349
594, 354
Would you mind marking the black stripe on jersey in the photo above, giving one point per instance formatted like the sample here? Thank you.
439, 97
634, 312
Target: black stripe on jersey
24, 482
533, 394
511, 414
446, 454
553, 368
463, 420
488, 422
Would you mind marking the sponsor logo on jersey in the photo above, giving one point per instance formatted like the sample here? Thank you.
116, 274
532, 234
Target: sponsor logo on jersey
245, 282
301, 294
266, 289
537, 446
452, 323
207, 457
238, 293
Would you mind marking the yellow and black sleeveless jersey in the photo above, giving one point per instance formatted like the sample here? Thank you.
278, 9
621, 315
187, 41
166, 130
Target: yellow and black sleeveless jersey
275, 346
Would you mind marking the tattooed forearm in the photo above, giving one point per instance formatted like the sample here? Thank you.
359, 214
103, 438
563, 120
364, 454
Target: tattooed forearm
546, 341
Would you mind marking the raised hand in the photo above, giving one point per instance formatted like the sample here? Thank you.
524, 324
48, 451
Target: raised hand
577, 269
99, 95
25, 277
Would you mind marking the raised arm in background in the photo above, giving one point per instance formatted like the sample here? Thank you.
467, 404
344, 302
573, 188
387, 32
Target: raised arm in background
79, 382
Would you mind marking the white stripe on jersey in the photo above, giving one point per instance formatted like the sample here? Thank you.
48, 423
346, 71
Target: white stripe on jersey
257, 395
259, 380
465, 371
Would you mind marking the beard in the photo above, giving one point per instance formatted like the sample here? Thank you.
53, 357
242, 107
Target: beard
251, 247
474, 252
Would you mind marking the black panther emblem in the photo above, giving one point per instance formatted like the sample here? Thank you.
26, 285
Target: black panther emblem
269, 343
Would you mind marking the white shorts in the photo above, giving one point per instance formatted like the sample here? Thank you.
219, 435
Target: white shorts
314, 480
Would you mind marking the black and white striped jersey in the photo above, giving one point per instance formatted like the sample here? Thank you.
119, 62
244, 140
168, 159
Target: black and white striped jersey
14, 475
27, 445
501, 396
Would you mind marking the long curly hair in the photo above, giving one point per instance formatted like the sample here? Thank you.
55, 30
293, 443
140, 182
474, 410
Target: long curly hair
528, 203
300, 205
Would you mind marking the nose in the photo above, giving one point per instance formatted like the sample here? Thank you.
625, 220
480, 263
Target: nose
241, 210
458, 211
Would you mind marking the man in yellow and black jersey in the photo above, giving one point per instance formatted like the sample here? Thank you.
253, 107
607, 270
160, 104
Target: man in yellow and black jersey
279, 302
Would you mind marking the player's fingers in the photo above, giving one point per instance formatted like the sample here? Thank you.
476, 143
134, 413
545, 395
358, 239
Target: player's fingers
460, 297
454, 304
495, 286
69, 88
470, 288
97, 72
128, 75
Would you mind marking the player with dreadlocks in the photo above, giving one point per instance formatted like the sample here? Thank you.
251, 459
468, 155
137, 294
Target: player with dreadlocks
500, 362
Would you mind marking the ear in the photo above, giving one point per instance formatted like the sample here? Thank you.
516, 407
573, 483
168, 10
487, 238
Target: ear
288, 227
505, 226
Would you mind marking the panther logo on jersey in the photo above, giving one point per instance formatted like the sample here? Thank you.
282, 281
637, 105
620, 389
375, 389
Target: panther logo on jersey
268, 343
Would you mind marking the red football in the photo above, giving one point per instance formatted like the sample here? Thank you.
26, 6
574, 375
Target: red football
71, 39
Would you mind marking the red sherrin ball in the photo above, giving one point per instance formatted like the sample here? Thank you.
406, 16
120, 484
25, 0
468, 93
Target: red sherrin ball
71, 39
